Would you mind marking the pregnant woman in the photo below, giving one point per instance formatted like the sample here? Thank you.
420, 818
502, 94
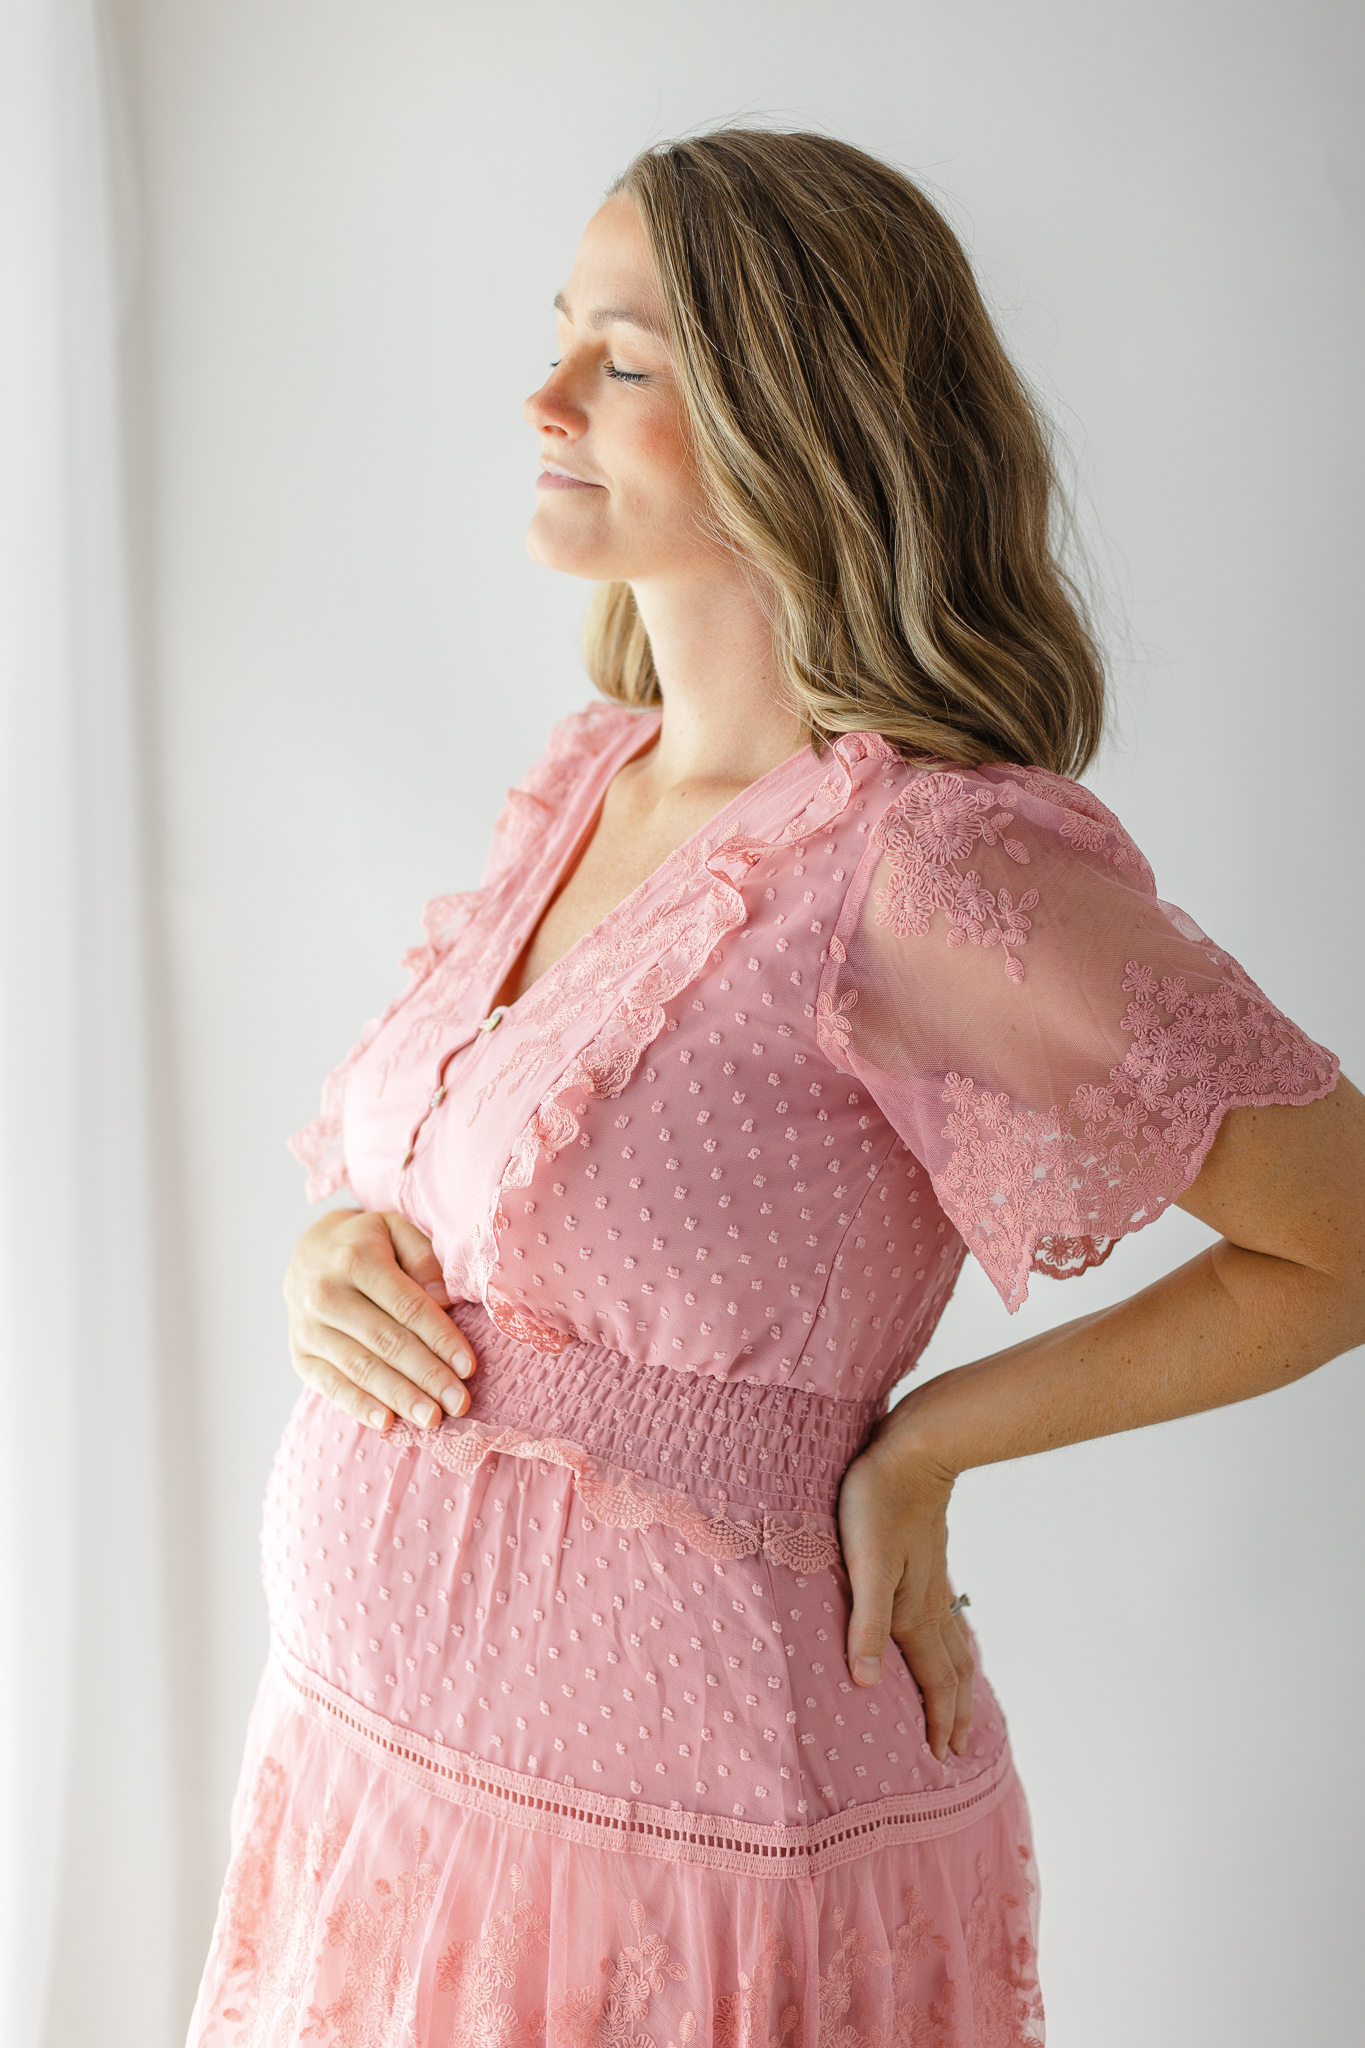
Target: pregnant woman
619, 1693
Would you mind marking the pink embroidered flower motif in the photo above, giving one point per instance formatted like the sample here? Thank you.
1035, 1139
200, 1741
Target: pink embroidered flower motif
929, 830
263, 1946
1055, 1189
1087, 824
615, 2016
834, 1019
1007, 2008
378, 2000
741, 2018
476, 1974
394, 1943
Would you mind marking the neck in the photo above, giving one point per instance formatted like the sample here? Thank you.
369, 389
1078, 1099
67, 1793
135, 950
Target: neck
726, 712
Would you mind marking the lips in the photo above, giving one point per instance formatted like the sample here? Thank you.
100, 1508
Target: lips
558, 479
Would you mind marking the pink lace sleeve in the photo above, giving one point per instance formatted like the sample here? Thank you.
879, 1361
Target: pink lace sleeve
1055, 1044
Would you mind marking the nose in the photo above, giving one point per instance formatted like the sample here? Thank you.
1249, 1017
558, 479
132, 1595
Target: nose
551, 410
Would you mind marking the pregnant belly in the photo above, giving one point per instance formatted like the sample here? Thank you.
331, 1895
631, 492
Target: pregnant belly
489, 1613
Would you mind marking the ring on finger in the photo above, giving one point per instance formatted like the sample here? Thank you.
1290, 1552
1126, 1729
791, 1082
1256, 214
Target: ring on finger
961, 1601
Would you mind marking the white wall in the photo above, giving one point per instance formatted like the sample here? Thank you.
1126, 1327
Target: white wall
354, 215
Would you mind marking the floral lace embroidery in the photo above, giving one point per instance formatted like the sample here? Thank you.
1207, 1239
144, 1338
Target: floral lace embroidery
623, 1500
1079, 1177
847, 1967
834, 1024
475, 1972
605, 1065
1087, 824
741, 2017
1062, 1258
378, 2000
456, 949
447, 972
481, 1993
615, 2016
907, 2025
263, 1946
926, 833
1007, 2007
675, 923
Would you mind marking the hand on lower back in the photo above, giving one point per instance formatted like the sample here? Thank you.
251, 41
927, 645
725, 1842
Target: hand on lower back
363, 1294
894, 1531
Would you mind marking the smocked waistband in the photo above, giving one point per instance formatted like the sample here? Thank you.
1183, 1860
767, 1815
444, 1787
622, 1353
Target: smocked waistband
755, 1446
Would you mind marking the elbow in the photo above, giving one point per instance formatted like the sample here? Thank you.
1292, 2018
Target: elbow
1354, 1316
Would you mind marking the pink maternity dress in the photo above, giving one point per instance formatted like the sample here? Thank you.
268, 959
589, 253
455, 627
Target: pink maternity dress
557, 1742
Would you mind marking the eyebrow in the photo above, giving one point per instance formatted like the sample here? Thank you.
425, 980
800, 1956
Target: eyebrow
610, 316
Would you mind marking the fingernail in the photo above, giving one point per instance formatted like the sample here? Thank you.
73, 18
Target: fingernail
423, 1413
437, 1290
378, 1417
463, 1364
866, 1670
454, 1399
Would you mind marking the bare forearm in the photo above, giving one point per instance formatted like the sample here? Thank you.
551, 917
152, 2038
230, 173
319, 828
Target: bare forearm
1282, 1292
1230, 1324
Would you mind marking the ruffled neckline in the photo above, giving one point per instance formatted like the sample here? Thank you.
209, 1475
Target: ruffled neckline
612, 982
688, 855
588, 1019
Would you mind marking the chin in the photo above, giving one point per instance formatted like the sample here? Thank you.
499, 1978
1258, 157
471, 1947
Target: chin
550, 543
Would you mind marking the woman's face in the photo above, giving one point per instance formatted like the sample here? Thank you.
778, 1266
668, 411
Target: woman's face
618, 498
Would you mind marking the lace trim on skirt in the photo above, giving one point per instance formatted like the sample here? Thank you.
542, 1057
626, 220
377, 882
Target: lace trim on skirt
671, 1834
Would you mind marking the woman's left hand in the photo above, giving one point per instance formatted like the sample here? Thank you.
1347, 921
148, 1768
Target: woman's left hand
893, 1509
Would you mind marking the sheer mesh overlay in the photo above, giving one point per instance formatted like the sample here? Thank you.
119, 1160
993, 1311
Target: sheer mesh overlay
1056, 1044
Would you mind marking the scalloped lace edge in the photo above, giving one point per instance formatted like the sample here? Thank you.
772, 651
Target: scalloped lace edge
1036, 1254
622, 1499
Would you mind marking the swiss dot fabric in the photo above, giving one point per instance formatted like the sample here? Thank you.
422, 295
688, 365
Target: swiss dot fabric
558, 1741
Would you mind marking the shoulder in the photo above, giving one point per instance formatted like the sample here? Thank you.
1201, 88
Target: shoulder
573, 744
574, 740
979, 864
940, 816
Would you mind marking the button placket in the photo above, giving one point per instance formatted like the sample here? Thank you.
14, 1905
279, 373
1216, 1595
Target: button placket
436, 1098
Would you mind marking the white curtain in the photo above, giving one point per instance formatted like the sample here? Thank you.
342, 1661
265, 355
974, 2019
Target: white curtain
86, 1838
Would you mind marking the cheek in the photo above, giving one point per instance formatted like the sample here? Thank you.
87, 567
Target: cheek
664, 483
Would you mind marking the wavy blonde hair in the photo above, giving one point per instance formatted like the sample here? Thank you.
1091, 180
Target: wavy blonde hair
865, 440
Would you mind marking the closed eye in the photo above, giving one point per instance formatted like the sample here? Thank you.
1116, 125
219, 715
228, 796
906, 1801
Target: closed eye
621, 376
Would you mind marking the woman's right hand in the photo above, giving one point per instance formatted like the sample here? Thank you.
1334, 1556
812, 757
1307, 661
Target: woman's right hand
365, 1326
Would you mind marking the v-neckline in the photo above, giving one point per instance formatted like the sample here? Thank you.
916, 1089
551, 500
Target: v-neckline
561, 868
575, 846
